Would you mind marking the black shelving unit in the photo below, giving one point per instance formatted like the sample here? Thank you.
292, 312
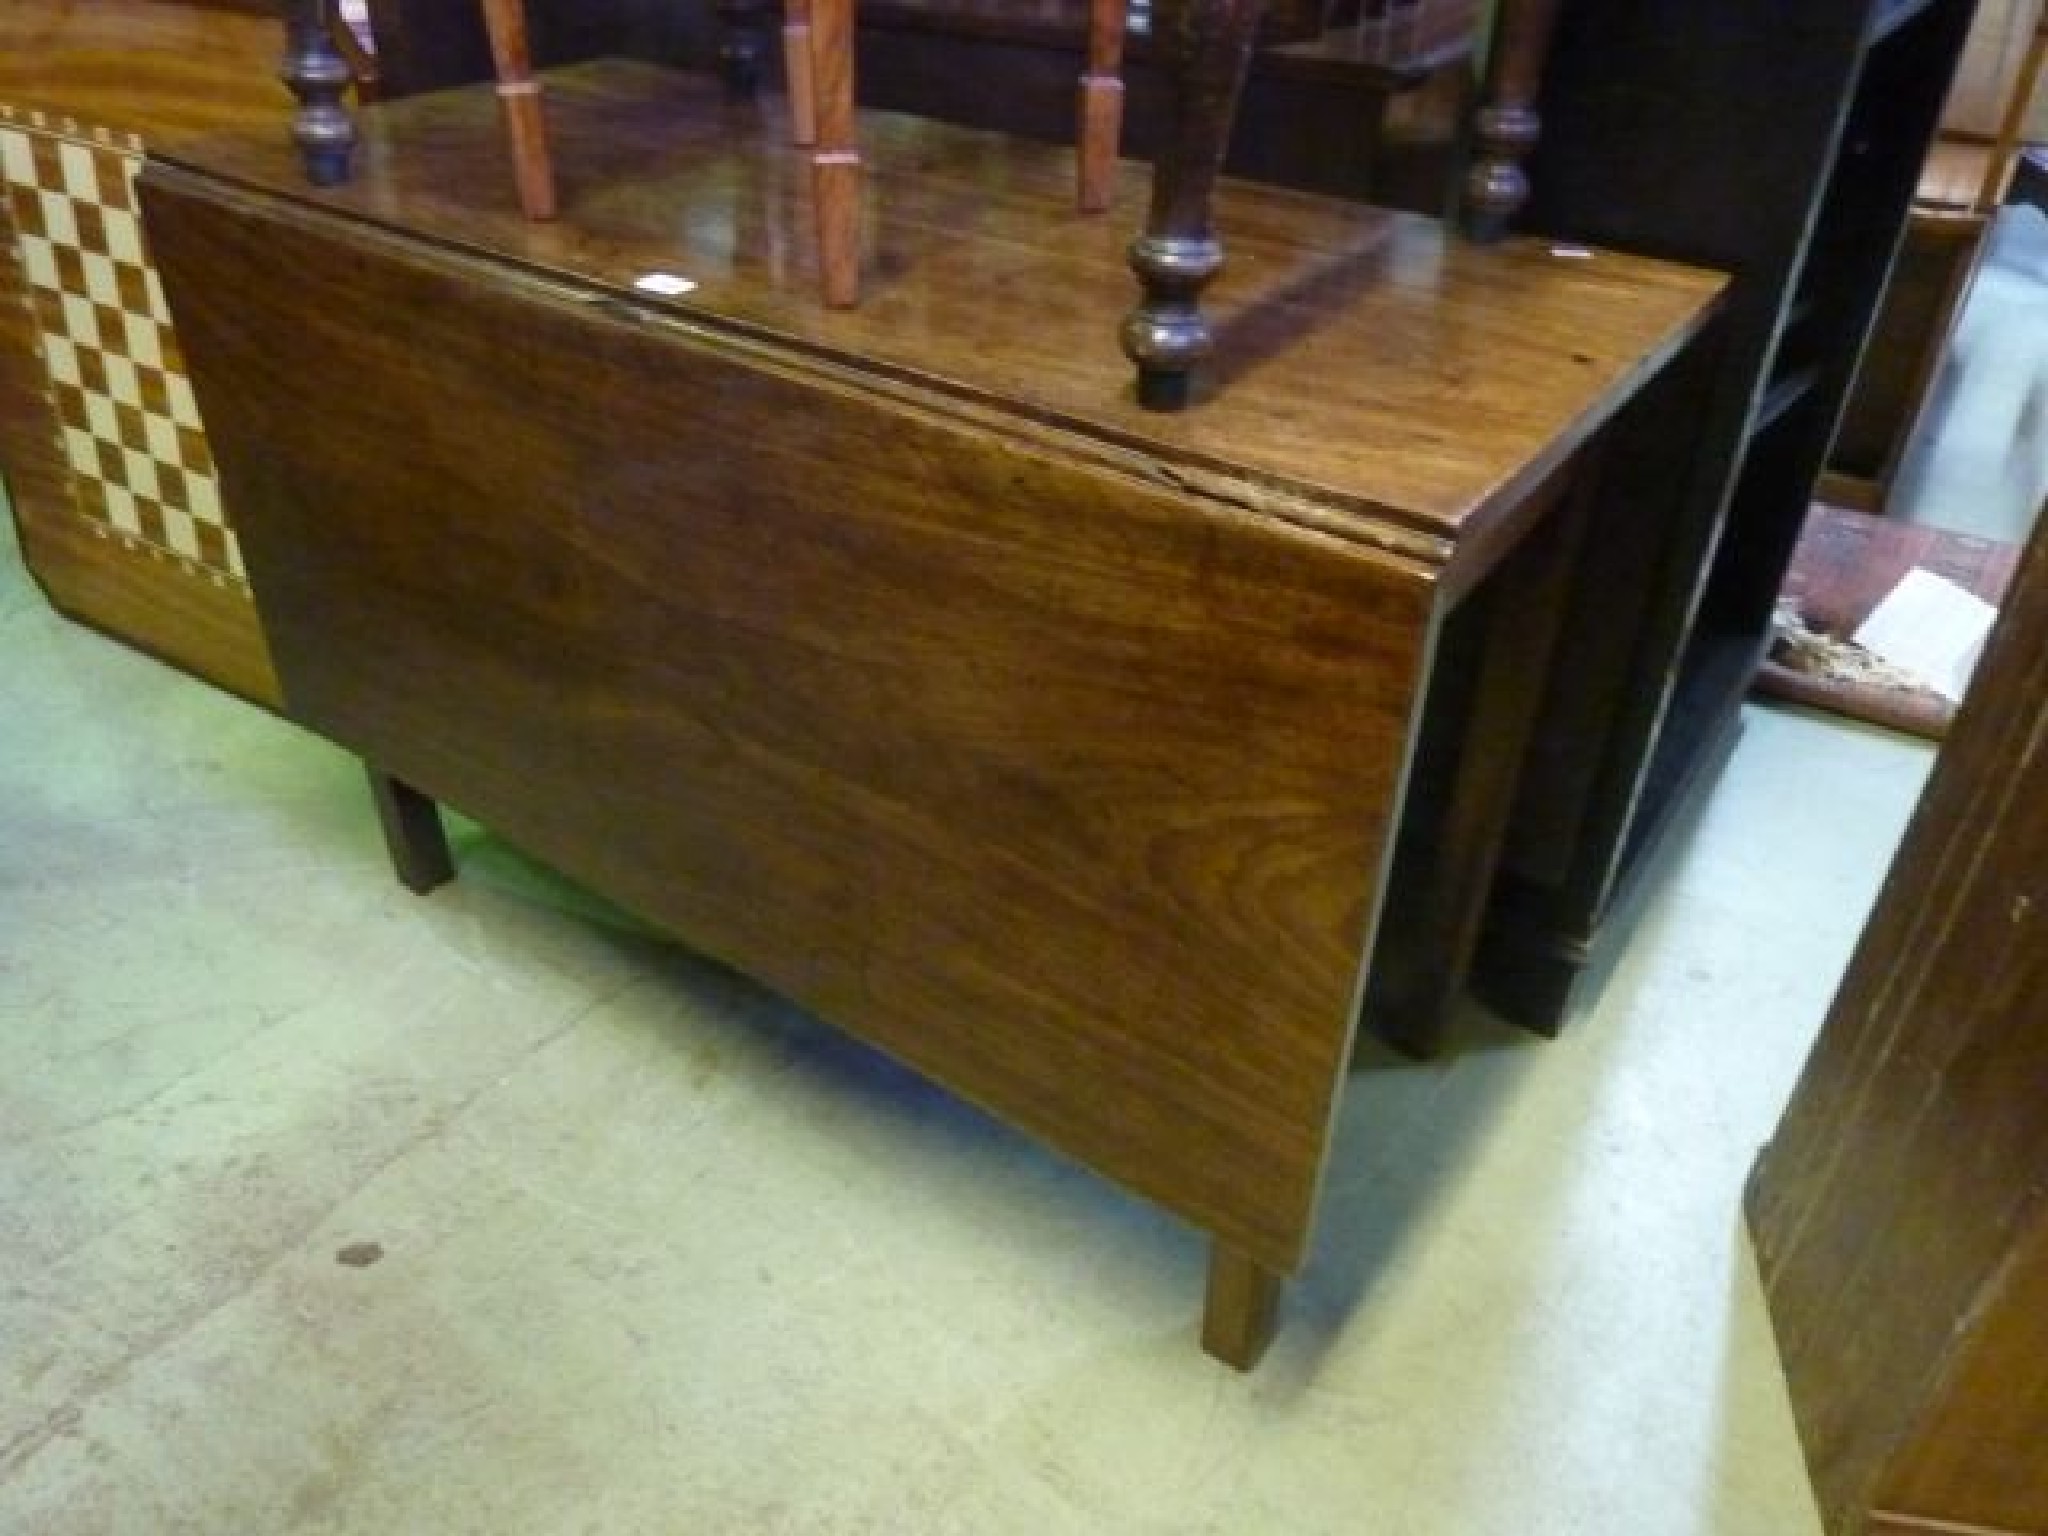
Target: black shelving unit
1780, 143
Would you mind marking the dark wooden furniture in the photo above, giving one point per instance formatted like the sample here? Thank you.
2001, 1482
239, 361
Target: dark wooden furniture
1901, 1211
1961, 188
1202, 49
1780, 143
896, 655
1317, 111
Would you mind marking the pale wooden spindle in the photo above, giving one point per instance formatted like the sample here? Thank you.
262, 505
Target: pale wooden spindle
519, 95
1100, 129
796, 64
835, 159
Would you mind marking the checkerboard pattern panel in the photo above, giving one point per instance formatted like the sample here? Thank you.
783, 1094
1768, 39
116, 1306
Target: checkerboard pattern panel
141, 469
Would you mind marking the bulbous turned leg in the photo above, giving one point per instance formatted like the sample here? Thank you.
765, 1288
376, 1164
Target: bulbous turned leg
318, 77
1507, 127
1202, 47
1167, 335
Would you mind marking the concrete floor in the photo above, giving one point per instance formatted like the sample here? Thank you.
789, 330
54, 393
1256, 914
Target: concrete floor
324, 1208
1978, 463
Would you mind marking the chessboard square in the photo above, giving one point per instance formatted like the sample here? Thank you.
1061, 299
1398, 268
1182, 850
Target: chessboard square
121, 232
212, 539
92, 371
133, 431
92, 227
203, 491
99, 417
49, 171
108, 466
234, 561
17, 161
156, 393
101, 285
117, 178
58, 223
61, 358
111, 324
159, 306
39, 261
49, 311
26, 204
81, 176
184, 407
80, 322
82, 451
134, 283
143, 339
70, 269
122, 383
70, 401
139, 474
163, 438
121, 509
179, 532
174, 487
149, 520
193, 452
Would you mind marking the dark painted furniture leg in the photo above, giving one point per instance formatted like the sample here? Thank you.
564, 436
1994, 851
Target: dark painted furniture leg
1201, 48
742, 26
413, 834
1522, 626
318, 76
1507, 126
1241, 1308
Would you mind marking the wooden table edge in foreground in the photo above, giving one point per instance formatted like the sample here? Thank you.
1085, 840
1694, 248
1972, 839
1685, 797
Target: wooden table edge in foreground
1066, 777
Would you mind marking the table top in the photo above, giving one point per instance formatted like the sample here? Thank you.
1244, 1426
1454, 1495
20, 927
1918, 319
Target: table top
135, 67
1374, 375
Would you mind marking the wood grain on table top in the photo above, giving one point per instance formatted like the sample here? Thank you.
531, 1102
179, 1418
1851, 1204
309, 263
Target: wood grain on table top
158, 71
1395, 382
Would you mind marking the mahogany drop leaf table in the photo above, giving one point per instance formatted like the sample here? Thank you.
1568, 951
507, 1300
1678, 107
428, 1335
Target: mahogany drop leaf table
897, 656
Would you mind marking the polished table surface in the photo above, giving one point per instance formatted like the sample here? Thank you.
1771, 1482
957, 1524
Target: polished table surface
897, 657
1373, 374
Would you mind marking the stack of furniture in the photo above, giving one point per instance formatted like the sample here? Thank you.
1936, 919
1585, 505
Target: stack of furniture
1962, 186
1782, 144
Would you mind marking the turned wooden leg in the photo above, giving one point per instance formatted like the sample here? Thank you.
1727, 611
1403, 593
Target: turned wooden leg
526, 126
318, 76
740, 25
835, 161
1241, 1307
1202, 47
1507, 126
413, 834
796, 69
1101, 125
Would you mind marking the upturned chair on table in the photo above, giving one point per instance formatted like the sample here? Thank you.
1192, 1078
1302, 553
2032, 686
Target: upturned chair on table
1199, 48
818, 39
